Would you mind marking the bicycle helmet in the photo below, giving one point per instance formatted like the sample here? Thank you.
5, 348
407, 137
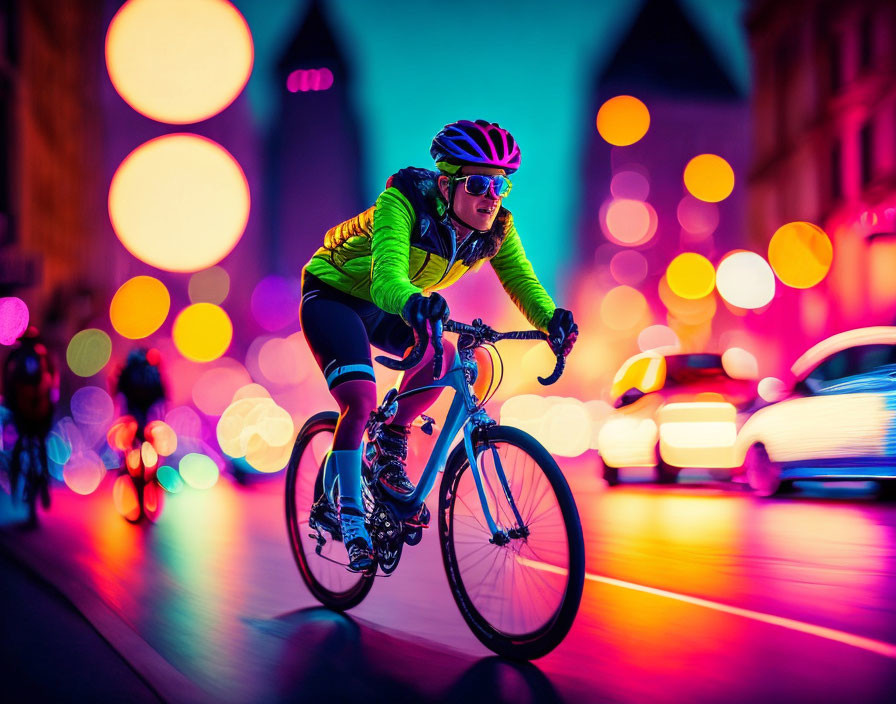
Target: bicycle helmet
479, 143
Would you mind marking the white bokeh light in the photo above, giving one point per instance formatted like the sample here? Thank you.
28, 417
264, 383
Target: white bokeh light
745, 280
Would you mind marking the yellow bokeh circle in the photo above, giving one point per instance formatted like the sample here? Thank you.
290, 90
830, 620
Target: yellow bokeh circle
202, 332
691, 275
88, 352
623, 120
709, 178
179, 202
800, 254
179, 61
139, 307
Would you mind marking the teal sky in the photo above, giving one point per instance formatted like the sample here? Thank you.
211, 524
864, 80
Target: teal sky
523, 63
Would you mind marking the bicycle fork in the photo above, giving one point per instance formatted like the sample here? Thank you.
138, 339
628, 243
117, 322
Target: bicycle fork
499, 536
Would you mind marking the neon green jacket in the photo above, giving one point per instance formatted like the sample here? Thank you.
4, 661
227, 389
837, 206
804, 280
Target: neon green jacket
405, 244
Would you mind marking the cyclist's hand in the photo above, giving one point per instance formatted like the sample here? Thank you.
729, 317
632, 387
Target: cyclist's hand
562, 332
433, 309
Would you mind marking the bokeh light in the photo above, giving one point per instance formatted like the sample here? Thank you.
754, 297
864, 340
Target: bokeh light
209, 286
198, 470
658, 337
285, 361
275, 302
139, 307
630, 222
179, 61
124, 497
122, 433
709, 177
691, 276
696, 217
91, 405
688, 311
184, 421
628, 267
148, 455
214, 390
179, 202
88, 352
13, 319
771, 389
162, 437
738, 363
622, 308
632, 185
744, 279
170, 479
302, 80
800, 253
202, 332
623, 120
259, 430
83, 472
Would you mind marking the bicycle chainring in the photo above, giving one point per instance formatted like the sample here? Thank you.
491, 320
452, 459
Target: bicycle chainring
387, 533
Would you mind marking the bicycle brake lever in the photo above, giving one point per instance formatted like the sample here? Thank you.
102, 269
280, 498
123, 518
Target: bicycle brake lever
556, 374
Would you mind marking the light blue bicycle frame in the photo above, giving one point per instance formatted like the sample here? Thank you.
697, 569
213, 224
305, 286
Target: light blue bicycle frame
464, 414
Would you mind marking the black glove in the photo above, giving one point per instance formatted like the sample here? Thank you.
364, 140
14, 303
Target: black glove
419, 309
562, 332
433, 308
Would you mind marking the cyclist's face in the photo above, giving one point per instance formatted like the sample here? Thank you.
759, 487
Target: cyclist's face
478, 211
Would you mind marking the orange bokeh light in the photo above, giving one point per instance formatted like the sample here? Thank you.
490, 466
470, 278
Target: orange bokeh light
801, 254
623, 120
139, 307
179, 202
202, 332
179, 61
709, 178
623, 308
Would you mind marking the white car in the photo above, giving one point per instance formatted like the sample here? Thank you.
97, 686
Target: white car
834, 418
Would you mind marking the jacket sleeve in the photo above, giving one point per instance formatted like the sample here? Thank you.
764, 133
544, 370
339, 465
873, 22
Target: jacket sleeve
390, 246
518, 278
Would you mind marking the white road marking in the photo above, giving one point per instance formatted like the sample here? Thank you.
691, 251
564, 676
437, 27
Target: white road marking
888, 650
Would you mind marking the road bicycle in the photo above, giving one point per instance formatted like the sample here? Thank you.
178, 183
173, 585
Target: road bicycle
508, 526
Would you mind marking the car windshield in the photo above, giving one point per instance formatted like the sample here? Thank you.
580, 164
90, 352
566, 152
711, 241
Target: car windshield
854, 360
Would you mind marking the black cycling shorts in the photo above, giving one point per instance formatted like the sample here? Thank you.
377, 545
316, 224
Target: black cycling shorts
340, 329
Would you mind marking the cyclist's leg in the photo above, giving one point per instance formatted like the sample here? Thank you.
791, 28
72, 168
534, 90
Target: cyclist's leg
391, 333
340, 346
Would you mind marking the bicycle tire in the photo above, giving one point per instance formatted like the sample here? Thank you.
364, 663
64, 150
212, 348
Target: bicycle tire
539, 641
297, 509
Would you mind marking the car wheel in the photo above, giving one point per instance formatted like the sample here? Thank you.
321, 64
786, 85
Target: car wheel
665, 473
763, 475
610, 474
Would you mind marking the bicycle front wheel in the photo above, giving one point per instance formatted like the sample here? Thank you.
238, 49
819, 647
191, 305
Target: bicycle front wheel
324, 573
519, 598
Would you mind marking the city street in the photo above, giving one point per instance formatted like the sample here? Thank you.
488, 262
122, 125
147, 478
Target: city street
696, 592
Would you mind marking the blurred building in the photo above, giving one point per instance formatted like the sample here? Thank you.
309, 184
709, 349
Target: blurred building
314, 168
697, 105
824, 124
50, 176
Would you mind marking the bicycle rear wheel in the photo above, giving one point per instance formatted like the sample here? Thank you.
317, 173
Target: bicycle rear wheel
519, 599
331, 584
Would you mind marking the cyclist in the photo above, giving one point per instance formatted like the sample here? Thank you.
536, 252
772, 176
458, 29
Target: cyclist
374, 281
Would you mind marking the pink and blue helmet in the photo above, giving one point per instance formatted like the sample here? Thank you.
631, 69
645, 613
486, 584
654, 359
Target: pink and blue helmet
479, 143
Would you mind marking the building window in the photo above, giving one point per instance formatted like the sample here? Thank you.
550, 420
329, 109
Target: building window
866, 43
866, 153
836, 183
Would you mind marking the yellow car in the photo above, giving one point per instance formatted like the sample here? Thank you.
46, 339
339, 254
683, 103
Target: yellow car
673, 411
